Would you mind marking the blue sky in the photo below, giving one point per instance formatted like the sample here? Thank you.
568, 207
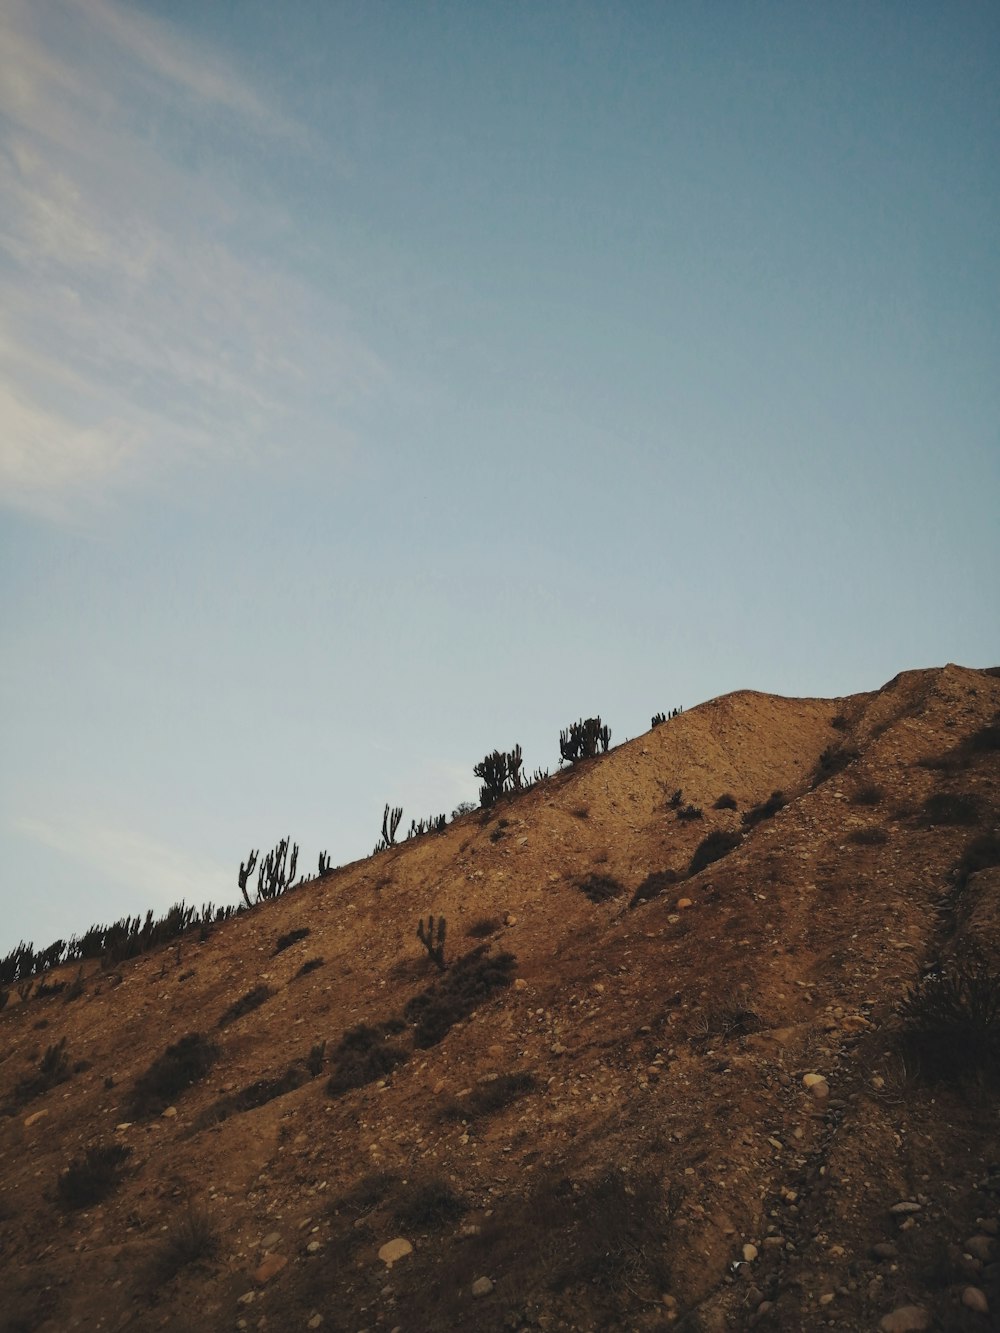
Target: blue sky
384, 383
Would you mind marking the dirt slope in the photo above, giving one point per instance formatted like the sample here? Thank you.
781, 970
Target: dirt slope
600, 1137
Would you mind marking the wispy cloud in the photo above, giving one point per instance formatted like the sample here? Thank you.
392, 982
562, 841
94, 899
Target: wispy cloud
149, 310
161, 875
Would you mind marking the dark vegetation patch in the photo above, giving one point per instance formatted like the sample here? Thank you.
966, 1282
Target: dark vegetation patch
725, 802
951, 808
981, 853
687, 812
868, 837
490, 1096
363, 1055
193, 1238
291, 937
604, 1234
92, 1176
985, 740
950, 1022
833, 760
246, 1004
655, 884
766, 810
258, 1093
719, 843
177, 1069
426, 1205
581, 812
723, 1019
53, 1069
869, 793
839, 722
310, 965
484, 927
365, 1195
599, 888
469, 981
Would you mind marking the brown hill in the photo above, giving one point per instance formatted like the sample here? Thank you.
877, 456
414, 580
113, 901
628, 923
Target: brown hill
612, 1131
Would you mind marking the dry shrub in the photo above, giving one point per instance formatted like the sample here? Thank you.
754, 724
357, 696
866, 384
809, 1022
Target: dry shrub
718, 844
172, 1073
599, 888
766, 810
655, 884
92, 1176
952, 808
460, 991
363, 1055
426, 1205
951, 1022
484, 927
725, 802
868, 837
253, 999
869, 793
192, 1239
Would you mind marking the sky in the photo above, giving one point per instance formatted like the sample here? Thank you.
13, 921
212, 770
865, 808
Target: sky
386, 383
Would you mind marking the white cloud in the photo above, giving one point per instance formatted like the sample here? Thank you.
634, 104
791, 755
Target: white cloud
127, 859
148, 309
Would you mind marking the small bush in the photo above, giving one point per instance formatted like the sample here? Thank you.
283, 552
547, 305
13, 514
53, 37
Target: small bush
491, 1096
192, 1239
870, 793
982, 852
725, 802
653, 885
952, 808
53, 1069
484, 927
246, 1004
310, 965
599, 888
689, 812
362, 1056
833, 760
454, 996
426, 1205
951, 1022
366, 1194
172, 1073
581, 812
719, 843
91, 1177
868, 837
766, 810
291, 937
724, 1019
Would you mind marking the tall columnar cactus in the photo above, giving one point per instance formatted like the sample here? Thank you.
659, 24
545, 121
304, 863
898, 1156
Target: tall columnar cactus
500, 774
324, 863
246, 870
433, 940
390, 824
581, 739
277, 873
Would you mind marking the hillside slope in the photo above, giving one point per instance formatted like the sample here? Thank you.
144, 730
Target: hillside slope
617, 1135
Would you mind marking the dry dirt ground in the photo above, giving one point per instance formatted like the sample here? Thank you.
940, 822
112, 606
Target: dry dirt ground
618, 1135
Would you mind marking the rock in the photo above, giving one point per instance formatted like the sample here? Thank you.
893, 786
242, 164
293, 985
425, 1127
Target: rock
270, 1268
905, 1319
510, 919
827, 1298
817, 1086
750, 1252
973, 1298
884, 1250
980, 1247
169, 1113
247, 1298
34, 1118
272, 1239
315, 1321
683, 904
904, 1207
395, 1249
520, 983
482, 1286
313, 1247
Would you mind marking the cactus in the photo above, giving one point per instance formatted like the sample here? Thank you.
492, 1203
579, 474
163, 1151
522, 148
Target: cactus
501, 774
657, 719
390, 823
277, 873
434, 946
245, 872
324, 863
581, 739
